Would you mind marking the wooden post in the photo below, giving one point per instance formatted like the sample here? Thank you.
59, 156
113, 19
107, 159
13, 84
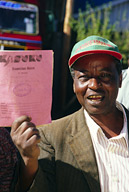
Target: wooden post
66, 49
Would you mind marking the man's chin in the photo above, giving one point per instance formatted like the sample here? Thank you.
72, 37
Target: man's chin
94, 110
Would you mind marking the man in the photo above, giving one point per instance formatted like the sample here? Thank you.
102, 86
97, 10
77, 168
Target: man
123, 94
86, 151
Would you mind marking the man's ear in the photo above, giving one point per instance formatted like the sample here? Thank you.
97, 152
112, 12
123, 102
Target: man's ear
120, 83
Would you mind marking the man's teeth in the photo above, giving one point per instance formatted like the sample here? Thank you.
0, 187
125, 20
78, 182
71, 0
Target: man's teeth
95, 97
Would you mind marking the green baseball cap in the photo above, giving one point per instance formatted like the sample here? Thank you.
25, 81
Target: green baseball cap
92, 45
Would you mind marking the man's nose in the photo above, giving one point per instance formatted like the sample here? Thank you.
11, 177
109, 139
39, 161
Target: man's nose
94, 83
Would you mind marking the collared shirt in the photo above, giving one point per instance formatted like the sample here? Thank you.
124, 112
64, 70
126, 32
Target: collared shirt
112, 156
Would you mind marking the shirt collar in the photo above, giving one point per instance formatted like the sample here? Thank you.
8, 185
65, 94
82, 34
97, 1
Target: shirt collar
128, 71
94, 127
124, 131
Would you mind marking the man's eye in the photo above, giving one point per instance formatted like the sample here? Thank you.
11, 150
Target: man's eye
84, 77
105, 76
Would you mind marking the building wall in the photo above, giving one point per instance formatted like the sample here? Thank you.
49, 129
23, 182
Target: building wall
120, 15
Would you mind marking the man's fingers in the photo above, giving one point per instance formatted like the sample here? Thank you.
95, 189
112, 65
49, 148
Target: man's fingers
34, 140
30, 132
19, 121
26, 137
24, 126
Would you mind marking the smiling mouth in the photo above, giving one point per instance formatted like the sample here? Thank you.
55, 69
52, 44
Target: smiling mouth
96, 97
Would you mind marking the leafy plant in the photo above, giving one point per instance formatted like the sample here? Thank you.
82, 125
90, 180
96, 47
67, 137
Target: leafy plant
95, 21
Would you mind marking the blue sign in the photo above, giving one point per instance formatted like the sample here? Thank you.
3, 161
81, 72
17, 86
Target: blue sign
8, 4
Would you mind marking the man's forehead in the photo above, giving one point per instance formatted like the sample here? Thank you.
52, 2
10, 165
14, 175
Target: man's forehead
95, 69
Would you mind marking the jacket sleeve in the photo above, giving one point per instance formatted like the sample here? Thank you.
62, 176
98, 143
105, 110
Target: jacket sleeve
40, 183
44, 180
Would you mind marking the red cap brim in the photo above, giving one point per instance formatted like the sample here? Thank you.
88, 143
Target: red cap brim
77, 56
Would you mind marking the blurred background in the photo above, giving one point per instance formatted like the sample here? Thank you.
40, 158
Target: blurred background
58, 25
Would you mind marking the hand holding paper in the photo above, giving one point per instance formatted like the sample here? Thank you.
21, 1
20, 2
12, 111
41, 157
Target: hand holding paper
26, 137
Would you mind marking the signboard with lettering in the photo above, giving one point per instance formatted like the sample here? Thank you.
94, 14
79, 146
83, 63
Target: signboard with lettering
26, 85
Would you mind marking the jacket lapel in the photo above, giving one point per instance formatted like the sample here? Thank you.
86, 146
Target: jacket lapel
82, 149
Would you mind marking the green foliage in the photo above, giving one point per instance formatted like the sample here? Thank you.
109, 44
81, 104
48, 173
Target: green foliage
92, 22
97, 22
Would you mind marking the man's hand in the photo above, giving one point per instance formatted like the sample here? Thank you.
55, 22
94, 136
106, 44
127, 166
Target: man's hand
26, 137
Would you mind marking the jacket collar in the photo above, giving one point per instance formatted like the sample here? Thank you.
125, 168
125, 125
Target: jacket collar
82, 149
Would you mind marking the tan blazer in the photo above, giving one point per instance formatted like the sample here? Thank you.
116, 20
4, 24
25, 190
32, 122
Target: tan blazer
67, 160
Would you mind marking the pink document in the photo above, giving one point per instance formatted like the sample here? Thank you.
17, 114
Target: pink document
26, 85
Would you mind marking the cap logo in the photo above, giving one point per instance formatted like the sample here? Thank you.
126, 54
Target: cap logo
93, 42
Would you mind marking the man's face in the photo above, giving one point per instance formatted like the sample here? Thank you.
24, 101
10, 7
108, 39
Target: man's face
96, 83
